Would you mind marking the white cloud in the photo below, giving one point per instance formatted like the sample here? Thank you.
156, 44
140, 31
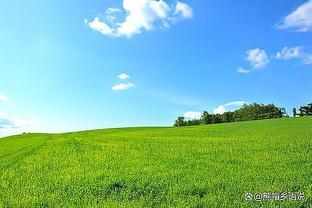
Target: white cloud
307, 59
141, 15
219, 110
299, 20
3, 98
123, 76
242, 70
123, 86
223, 108
111, 14
111, 10
7, 122
98, 25
294, 53
191, 115
183, 10
257, 58
289, 53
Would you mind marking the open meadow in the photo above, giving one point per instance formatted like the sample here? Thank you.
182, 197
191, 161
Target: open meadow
198, 166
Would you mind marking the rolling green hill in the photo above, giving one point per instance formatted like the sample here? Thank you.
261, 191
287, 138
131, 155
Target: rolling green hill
200, 166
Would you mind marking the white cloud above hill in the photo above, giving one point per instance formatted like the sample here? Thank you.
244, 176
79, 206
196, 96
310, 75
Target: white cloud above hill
223, 108
7, 122
191, 115
12, 125
299, 20
140, 15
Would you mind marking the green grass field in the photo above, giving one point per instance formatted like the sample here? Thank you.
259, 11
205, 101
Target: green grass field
200, 166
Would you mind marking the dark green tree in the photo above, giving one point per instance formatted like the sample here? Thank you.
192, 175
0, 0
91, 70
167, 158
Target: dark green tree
206, 118
227, 117
180, 121
193, 122
257, 111
306, 110
253, 111
216, 118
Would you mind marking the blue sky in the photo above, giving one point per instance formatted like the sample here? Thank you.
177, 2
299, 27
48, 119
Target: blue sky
60, 60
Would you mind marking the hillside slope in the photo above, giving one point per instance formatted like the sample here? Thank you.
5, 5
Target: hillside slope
200, 166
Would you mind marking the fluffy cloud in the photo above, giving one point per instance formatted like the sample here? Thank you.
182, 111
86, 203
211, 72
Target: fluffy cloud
289, 53
257, 58
123, 86
223, 108
191, 115
294, 53
140, 15
299, 20
99, 26
3, 98
123, 76
183, 10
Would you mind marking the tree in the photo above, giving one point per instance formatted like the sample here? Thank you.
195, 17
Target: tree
294, 112
306, 110
206, 118
180, 121
253, 111
193, 122
216, 118
227, 117
257, 111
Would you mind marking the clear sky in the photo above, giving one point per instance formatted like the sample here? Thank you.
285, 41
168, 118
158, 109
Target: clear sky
74, 65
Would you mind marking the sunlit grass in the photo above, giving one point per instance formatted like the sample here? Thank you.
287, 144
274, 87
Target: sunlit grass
200, 166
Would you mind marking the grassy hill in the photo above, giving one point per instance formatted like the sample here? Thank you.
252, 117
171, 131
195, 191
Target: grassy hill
200, 166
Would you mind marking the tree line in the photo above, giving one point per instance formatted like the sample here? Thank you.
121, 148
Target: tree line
305, 110
247, 112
